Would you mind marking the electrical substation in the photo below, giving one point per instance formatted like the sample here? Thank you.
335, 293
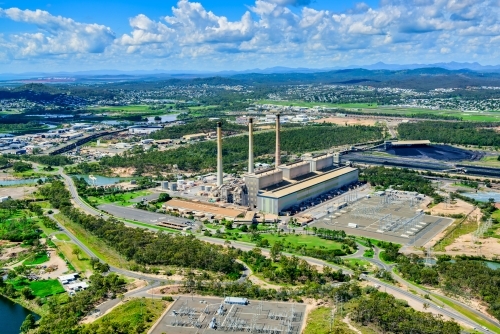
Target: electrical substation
192, 315
391, 216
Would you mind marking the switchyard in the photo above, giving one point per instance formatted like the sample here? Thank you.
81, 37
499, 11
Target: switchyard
212, 315
392, 216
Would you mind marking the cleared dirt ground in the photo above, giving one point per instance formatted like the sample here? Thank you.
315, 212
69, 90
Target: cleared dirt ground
348, 120
16, 192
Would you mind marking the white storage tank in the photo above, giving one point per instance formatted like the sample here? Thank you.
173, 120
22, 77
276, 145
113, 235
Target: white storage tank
173, 186
164, 185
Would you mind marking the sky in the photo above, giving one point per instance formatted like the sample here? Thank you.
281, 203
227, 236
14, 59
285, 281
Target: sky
215, 35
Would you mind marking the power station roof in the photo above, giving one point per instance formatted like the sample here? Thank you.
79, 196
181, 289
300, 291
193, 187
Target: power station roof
410, 142
285, 191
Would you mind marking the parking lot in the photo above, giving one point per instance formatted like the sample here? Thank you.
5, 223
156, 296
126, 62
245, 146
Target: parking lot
204, 315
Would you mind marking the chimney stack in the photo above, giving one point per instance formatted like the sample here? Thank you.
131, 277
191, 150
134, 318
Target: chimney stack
220, 174
250, 146
278, 150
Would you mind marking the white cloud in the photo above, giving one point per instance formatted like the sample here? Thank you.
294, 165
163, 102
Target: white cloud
57, 35
271, 32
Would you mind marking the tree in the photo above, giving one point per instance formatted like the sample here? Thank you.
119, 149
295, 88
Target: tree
228, 224
164, 197
27, 293
77, 252
28, 323
275, 251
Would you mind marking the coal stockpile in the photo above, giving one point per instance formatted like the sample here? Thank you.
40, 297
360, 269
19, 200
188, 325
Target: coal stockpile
435, 152
481, 171
396, 162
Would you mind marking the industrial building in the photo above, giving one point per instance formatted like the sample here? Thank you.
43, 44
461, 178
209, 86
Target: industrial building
276, 189
276, 201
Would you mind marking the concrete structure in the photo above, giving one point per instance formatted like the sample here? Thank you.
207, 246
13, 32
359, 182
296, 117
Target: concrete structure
250, 146
220, 174
321, 162
236, 301
389, 144
295, 169
278, 149
261, 180
276, 201
65, 279
144, 130
196, 136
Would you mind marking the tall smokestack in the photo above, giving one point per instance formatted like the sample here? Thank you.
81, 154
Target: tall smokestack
250, 145
278, 150
219, 154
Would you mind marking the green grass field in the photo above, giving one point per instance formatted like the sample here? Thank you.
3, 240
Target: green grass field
118, 199
40, 288
292, 240
46, 288
62, 236
37, 259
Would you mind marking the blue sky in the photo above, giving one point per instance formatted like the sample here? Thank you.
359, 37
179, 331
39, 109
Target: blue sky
57, 35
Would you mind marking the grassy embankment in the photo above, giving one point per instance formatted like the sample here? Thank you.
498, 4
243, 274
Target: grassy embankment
455, 230
137, 314
320, 320
80, 262
96, 245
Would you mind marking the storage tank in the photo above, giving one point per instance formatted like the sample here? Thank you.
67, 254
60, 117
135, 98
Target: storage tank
190, 183
208, 188
202, 188
173, 186
164, 185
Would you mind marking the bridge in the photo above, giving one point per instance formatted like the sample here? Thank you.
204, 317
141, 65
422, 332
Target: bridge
81, 141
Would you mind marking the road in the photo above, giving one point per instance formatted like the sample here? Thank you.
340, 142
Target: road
450, 313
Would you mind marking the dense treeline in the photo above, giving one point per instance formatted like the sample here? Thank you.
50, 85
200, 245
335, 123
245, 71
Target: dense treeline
142, 246
463, 277
49, 160
401, 179
198, 126
392, 315
202, 156
462, 133
21, 128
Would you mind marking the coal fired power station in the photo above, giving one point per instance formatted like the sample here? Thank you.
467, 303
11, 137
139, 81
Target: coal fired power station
275, 190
